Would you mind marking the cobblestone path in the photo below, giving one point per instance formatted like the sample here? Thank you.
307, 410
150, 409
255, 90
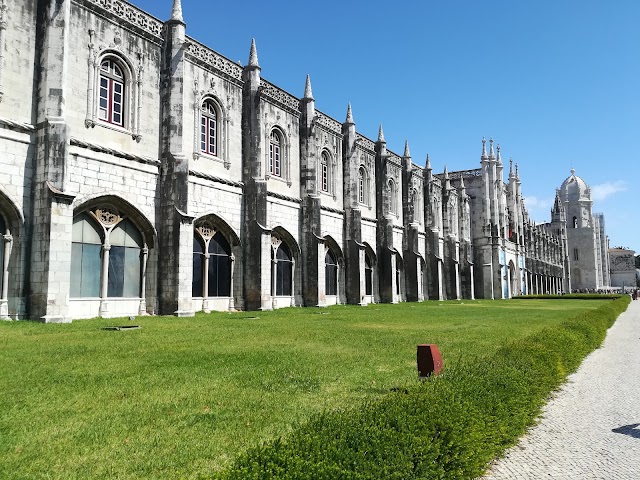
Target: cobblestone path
591, 428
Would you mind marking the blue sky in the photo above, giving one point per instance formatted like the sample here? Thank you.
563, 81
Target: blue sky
555, 83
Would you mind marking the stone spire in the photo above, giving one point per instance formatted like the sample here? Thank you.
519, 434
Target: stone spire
511, 172
462, 187
381, 135
176, 11
491, 153
484, 148
517, 173
308, 95
407, 153
253, 55
428, 164
447, 182
499, 159
349, 115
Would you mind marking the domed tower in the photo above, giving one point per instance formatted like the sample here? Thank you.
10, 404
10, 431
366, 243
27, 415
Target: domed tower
576, 195
588, 259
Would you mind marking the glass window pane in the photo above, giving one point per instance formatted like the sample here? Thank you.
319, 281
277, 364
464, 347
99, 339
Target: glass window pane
90, 274
115, 287
219, 245
133, 238
196, 281
219, 276
131, 273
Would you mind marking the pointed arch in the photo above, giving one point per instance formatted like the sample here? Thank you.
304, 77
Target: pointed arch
12, 213
139, 219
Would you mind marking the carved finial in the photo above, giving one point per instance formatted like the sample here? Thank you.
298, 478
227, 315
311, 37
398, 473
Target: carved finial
517, 173
484, 147
462, 187
511, 173
176, 11
499, 157
573, 171
428, 165
407, 153
253, 54
446, 173
349, 114
491, 153
381, 135
308, 95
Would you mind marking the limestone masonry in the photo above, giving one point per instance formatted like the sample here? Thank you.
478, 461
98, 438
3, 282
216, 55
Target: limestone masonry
142, 172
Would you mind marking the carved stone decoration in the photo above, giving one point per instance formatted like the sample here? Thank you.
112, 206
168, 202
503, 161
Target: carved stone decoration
213, 60
128, 14
90, 120
275, 243
107, 215
3, 28
206, 231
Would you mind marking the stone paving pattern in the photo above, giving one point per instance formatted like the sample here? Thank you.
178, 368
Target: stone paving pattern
591, 428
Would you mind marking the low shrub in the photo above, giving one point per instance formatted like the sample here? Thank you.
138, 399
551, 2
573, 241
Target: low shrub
449, 427
570, 296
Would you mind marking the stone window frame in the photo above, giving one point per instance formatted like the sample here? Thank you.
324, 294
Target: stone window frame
222, 129
132, 86
327, 161
285, 150
364, 186
392, 190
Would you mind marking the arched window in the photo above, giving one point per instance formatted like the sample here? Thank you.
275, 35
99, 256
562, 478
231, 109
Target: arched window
116, 238
112, 94
393, 201
324, 171
330, 273
283, 271
212, 272
362, 185
275, 151
209, 129
368, 275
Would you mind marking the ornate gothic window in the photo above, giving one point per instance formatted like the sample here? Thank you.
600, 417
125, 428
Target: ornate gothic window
106, 258
211, 270
362, 185
324, 171
112, 92
275, 151
209, 129
330, 273
368, 275
393, 197
283, 270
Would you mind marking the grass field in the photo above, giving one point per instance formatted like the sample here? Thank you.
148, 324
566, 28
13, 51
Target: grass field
182, 397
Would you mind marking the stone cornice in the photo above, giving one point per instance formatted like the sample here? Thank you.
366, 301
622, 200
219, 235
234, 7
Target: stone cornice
203, 55
277, 96
284, 197
124, 14
17, 126
215, 179
111, 151
326, 122
365, 144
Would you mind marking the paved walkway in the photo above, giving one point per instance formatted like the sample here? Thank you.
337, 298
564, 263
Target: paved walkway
591, 427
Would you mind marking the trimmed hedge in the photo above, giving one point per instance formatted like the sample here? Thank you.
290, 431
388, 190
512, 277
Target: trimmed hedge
449, 427
570, 296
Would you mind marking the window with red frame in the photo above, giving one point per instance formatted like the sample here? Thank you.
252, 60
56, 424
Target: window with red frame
209, 129
112, 93
274, 154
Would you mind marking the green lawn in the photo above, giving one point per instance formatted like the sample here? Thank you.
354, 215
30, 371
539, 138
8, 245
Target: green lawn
182, 397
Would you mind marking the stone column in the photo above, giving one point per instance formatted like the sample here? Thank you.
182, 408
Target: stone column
4, 300
104, 281
142, 310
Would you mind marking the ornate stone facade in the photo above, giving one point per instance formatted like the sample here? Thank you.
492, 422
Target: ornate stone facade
142, 172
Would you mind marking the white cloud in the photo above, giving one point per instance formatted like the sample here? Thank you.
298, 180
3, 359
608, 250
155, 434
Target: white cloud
604, 190
539, 209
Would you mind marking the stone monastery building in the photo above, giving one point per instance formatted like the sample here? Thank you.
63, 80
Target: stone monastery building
142, 172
